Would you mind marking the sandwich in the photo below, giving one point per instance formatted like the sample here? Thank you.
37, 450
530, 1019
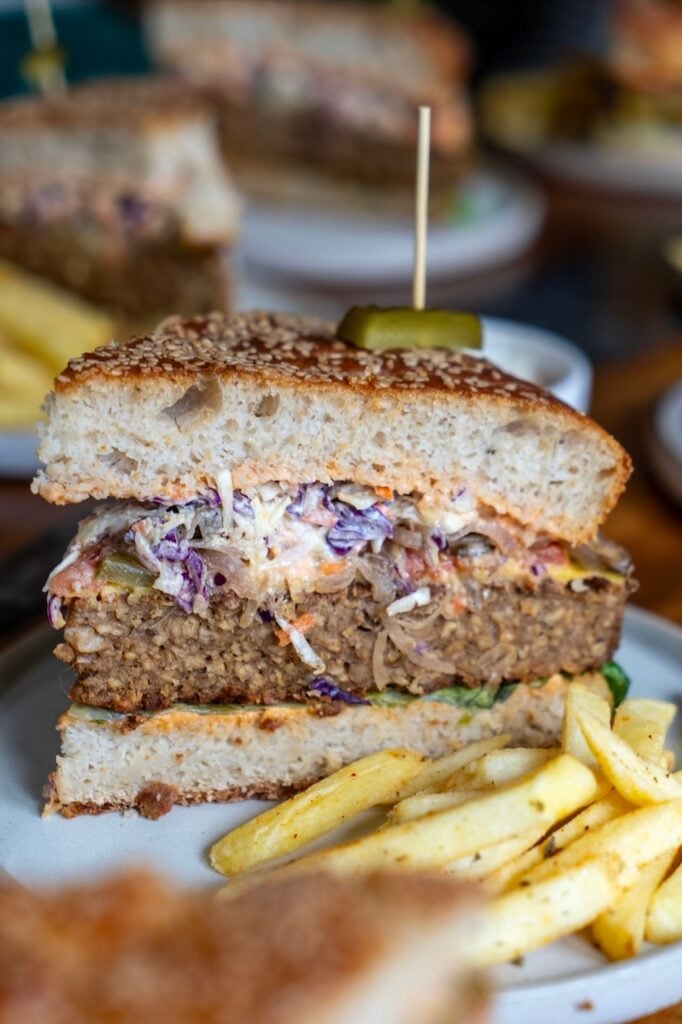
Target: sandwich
316, 101
308, 552
625, 103
116, 190
315, 950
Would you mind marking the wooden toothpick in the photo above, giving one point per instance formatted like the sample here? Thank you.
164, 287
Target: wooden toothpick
421, 209
44, 64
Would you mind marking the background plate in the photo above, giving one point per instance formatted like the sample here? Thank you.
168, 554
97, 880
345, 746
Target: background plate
496, 218
565, 983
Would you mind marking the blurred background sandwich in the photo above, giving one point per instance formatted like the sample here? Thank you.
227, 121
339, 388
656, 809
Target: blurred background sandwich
116, 191
311, 95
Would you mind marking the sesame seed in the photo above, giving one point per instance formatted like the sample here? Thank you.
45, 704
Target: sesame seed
280, 347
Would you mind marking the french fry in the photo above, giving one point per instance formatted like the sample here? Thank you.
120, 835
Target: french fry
424, 803
636, 838
572, 739
482, 863
664, 917
369, 782
643, 725
435, 772
560, 903
549, 794
24, 382
619, 930
596, 814
639, 781
45, 321
499, 767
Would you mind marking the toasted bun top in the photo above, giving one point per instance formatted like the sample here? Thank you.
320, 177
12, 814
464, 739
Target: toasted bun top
284, 350
277, 397
105, 104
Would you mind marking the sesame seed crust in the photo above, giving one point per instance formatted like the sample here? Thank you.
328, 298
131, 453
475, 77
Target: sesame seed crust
286, 350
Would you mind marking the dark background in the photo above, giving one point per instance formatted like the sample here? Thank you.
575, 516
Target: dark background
597, 276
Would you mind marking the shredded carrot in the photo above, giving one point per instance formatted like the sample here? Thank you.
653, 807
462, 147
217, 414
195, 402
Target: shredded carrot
458, 604
384, 492
303, 623
329, 568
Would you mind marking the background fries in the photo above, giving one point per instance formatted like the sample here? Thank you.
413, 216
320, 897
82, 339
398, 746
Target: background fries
558, 839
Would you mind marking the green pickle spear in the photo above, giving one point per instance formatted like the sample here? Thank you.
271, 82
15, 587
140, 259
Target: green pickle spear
374, 327
125, 570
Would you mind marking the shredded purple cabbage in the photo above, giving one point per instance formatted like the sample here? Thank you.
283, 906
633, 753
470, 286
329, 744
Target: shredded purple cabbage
54, 611
170, 549
326, 688
356, 526
439, 539
307, 496
190, 565
264, 615
241, 504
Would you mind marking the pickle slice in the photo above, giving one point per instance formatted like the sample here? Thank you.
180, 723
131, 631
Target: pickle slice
374, 327
125, 570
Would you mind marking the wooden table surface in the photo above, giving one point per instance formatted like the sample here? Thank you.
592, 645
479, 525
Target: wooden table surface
645, 521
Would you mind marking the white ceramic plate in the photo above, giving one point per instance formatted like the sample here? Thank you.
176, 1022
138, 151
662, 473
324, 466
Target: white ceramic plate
566, 983
618, 170
498, 216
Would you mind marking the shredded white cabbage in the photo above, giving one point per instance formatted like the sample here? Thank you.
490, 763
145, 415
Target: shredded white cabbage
301, 645
416, 599
225, 489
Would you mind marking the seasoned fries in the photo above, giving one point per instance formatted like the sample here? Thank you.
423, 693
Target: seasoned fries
559, 787
619, 930
639, 781
434, 773
424, 803
643, 725
558, 839
664, 918
374, 780
498, 768
572, 739
527, 918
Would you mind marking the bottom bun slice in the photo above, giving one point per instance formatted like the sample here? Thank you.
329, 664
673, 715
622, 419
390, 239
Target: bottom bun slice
185, 755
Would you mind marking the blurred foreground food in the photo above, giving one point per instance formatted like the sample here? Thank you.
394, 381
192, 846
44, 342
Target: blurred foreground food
560, 839
317, 101
314, 950
41, 328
